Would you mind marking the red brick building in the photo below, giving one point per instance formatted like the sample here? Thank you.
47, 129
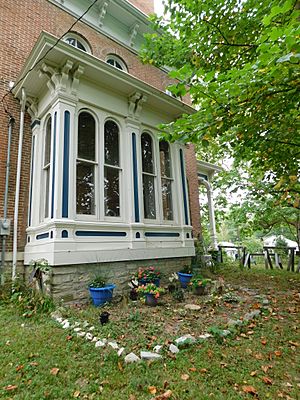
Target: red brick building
84, 180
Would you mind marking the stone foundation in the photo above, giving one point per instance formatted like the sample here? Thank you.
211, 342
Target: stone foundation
69, 283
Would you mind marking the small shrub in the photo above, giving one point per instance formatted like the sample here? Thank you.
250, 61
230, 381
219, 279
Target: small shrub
98, 282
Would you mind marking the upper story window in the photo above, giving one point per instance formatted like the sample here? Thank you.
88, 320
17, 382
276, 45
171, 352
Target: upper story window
86, 164
111, 170
77, 41
117, 62
148, 176
166, 180
46, 166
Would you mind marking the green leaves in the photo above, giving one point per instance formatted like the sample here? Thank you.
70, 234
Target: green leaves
239, 61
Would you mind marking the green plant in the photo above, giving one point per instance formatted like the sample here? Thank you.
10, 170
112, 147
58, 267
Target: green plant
147, 273
30, 301
186, 269
150, 288
198, 281
98, 282
178, 295
41, 264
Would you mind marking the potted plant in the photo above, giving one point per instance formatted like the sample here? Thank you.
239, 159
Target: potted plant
151, 292
198, 283
185, 275
148, 275
100, 291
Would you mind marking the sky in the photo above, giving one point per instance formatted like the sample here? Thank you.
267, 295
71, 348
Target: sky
158, 7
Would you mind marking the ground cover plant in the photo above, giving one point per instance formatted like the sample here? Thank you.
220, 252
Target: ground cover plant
260, 359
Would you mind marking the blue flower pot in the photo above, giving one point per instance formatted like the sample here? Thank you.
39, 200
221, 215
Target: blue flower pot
102, 295
184, 279
151, 300
146, 281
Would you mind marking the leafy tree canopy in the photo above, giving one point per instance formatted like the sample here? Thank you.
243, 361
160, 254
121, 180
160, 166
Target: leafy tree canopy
239, 61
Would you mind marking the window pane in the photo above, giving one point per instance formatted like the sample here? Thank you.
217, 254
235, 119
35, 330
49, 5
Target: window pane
165, 161
71, 41
149, 197
86, 136
47, 143
80, 45
111, 192
111, 143
85, 188
147, 153
166, 190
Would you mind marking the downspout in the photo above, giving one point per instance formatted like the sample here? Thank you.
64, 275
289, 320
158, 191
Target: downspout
11, 123
18, 181
211, 212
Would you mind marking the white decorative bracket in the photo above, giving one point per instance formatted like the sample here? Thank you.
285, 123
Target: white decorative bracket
32, 107
135, 104
133, 32
65, 79
102, 12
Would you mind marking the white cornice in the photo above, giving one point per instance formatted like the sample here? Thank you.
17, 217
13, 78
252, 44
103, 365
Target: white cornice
117, 19
54, 56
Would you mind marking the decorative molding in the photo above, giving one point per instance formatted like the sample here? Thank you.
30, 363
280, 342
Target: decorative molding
135, 104
63, 79
133, 33
32, 109
102, 12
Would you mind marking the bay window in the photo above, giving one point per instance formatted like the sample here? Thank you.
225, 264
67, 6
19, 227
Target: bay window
148, 176
85, 164
46, 167
111, 170
166, 180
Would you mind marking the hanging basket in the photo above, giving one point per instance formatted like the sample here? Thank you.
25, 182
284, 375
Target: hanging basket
102, 295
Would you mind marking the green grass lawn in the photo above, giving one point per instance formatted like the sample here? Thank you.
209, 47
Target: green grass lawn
40, 360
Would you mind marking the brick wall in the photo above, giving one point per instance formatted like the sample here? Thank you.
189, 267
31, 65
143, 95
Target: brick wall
21, 23
147, 6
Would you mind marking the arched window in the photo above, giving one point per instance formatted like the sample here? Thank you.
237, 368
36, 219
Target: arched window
111, 170
148, 174
85, 165
116, 61
166, 180
77, 41
46, 166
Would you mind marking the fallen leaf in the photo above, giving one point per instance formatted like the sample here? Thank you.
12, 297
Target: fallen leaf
54, 371
10, 387
277, 353
166, 384
69, 337
203, 370
296, 344
163, 396
265, 368
34, 364
256, 305
250, 390
185, 377
120, 366
267, 380
76, 394
193, 369
152, 389
253, 373
263, 342
258, 356
19, 367
132, 397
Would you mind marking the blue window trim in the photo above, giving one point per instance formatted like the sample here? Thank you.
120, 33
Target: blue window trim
162, 234
135, 180
100, 233
53, 164
65, 190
